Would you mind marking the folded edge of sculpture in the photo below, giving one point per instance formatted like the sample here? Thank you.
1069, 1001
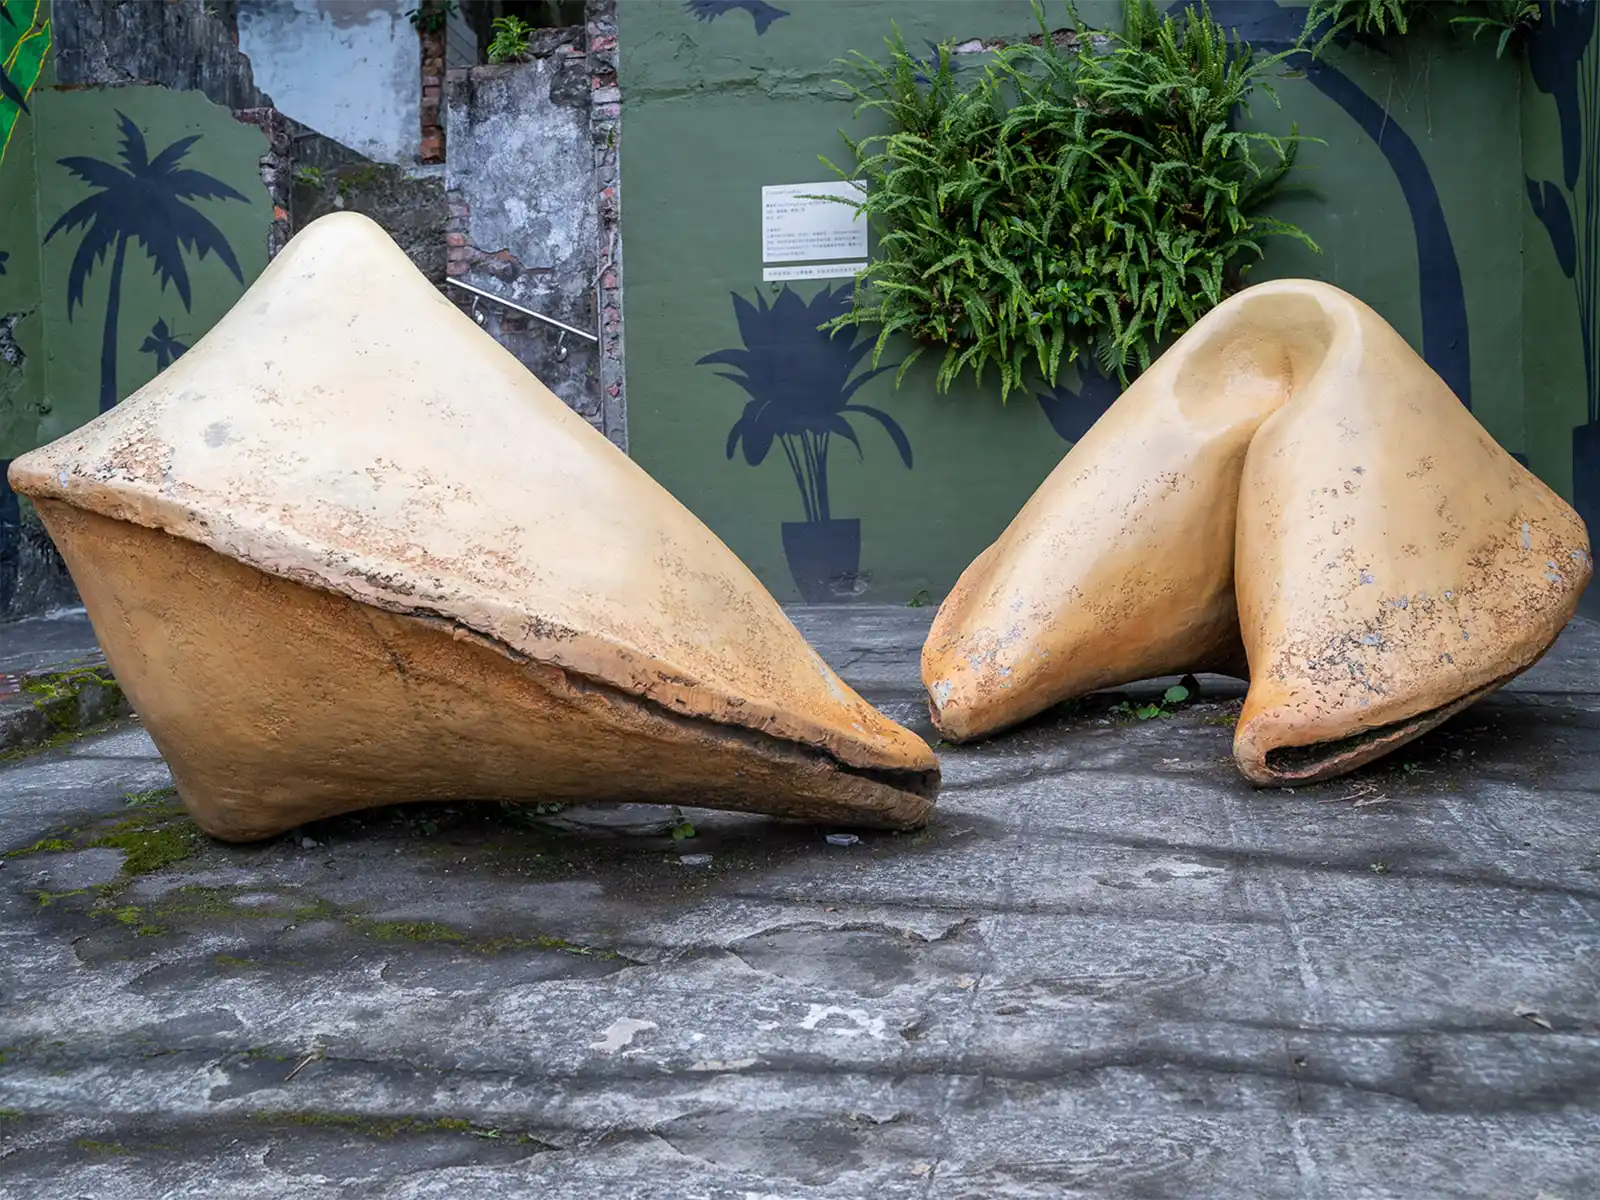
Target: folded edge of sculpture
348, 551
1290, 495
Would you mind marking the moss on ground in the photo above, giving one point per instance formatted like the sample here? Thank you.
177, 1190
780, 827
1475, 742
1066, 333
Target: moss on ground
43, 846
387, 1128
404, 931
53, 742
429, 931
146, 799
148, 850
133, 917
46, 899
94, 1147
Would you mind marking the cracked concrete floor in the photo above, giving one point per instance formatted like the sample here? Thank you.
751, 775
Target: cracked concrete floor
1109, 969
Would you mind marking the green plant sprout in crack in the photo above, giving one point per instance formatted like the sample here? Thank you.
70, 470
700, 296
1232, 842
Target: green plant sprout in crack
512, 37
146, 799
1094, 198
1174, 696
432, 15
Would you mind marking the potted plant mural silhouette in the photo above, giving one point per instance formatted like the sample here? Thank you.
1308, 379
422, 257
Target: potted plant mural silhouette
1071, 412
1564, 65
800, 382
142, 200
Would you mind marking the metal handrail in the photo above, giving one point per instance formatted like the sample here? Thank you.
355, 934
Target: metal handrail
512, 304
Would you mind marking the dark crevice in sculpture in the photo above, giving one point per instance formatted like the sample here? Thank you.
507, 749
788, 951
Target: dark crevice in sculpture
1321, 760
922, 784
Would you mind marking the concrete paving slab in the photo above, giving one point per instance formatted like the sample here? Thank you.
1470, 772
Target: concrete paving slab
1109, 969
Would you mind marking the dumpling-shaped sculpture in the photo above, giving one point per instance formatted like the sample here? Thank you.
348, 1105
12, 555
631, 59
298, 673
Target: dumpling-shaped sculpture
1120, 566
1291, 485
347, 551
1393, 563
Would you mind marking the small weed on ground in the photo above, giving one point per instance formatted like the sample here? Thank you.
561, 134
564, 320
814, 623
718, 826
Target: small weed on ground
1171, 699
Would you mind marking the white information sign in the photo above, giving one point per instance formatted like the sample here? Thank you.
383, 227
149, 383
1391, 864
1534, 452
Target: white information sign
796, 229
846, 270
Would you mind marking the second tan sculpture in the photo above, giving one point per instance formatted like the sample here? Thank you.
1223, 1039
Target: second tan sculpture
1289, 494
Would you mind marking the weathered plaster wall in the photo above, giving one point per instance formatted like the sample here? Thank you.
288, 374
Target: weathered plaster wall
1416, 198
409, 207
348, 69
524, 208
187, 45
606, 132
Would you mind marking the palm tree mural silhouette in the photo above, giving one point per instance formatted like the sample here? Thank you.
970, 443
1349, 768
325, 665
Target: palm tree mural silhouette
800, 382
762, 13
142, 200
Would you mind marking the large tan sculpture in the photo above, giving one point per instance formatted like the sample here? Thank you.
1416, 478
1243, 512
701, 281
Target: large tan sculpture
1289, 493
348, 551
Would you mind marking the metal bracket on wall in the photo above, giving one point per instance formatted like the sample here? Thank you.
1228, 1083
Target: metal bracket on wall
527, 312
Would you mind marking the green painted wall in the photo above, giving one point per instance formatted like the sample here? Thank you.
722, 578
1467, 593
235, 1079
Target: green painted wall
716, 106
162, 174
1561, 263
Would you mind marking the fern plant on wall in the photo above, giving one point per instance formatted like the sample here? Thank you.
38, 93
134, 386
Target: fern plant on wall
1090, 198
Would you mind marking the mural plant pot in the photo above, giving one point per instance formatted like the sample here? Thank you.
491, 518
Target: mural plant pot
1586, 472
822, 554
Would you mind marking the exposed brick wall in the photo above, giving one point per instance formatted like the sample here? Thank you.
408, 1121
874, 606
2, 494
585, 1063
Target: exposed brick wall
433, 54
587, 57
461, 256
600, 31
277, 170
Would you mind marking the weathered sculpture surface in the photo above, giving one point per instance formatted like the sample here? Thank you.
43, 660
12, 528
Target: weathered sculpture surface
1289, 493
348, 551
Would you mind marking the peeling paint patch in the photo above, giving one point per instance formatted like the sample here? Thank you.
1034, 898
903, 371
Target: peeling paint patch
11, 353
724, 1064
860, 1021
620, 1034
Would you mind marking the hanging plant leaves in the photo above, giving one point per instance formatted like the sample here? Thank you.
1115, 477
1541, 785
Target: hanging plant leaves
1088, 196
